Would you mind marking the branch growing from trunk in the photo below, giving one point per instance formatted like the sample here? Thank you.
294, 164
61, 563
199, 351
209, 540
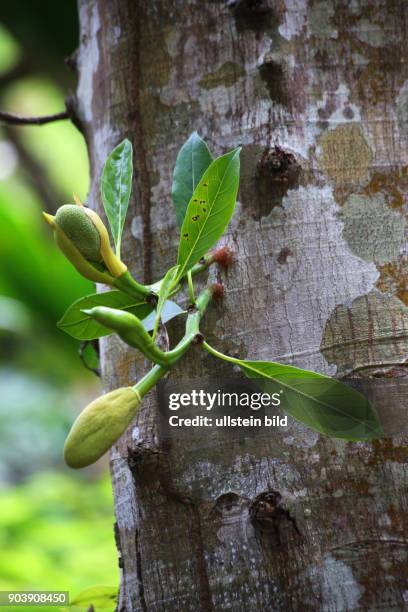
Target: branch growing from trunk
11, 119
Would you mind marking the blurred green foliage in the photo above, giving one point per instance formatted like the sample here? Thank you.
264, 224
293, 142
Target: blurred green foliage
47, 32
54, 535
10, 52
33, 429
56, 526
31, 264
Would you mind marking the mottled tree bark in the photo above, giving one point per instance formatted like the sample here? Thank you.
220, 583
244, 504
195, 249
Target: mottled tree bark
320, 280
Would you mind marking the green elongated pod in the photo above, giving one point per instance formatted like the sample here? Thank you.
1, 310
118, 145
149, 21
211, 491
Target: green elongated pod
130, 329
99, 425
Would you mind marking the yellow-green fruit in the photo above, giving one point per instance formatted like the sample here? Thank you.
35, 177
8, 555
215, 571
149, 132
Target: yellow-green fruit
79, 228
99, 425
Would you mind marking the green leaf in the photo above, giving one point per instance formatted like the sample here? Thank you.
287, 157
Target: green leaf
322, 403
192, 161
165, 290
116, 186
100, 597
89, 356
83, 327
209, 210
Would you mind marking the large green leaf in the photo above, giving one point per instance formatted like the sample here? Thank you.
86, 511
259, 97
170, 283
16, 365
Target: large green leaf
165, 290
100, 597
81, 326
116, 186
192, 161
209, 210
322, 403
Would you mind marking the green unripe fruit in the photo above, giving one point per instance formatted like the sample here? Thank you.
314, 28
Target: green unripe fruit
130, 329
99, 425
78, 226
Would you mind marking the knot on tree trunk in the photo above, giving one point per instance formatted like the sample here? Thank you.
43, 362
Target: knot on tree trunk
269, 516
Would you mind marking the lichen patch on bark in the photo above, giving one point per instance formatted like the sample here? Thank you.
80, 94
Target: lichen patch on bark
392, 182
319, 19
345, 155
371, 33
155, 58
370, 332
305, 278
393, 279
227, 75
337, 583
374, 231
402, 110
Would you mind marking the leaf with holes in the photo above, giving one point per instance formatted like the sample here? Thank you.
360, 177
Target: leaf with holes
209, 210
192, 161
116, 186
322, 403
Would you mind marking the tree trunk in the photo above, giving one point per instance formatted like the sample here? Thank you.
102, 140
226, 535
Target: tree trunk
320, 280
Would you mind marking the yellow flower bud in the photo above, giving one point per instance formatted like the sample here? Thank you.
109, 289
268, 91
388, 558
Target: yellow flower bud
80, 229
84, 267
99, 425
115, 266
84, 229
84, 240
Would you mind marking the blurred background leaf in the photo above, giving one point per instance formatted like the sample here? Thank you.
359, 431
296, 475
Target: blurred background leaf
56, 526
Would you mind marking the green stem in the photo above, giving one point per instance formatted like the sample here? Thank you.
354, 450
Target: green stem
206, 262
216, 353
150, 379
203, 300
155, 328
200, 267
118, 246
129, 285
190, 286
192, 329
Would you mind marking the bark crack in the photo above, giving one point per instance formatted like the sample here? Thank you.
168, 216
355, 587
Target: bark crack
168, 490
139, 573
199, 560
203, 583
140, 159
